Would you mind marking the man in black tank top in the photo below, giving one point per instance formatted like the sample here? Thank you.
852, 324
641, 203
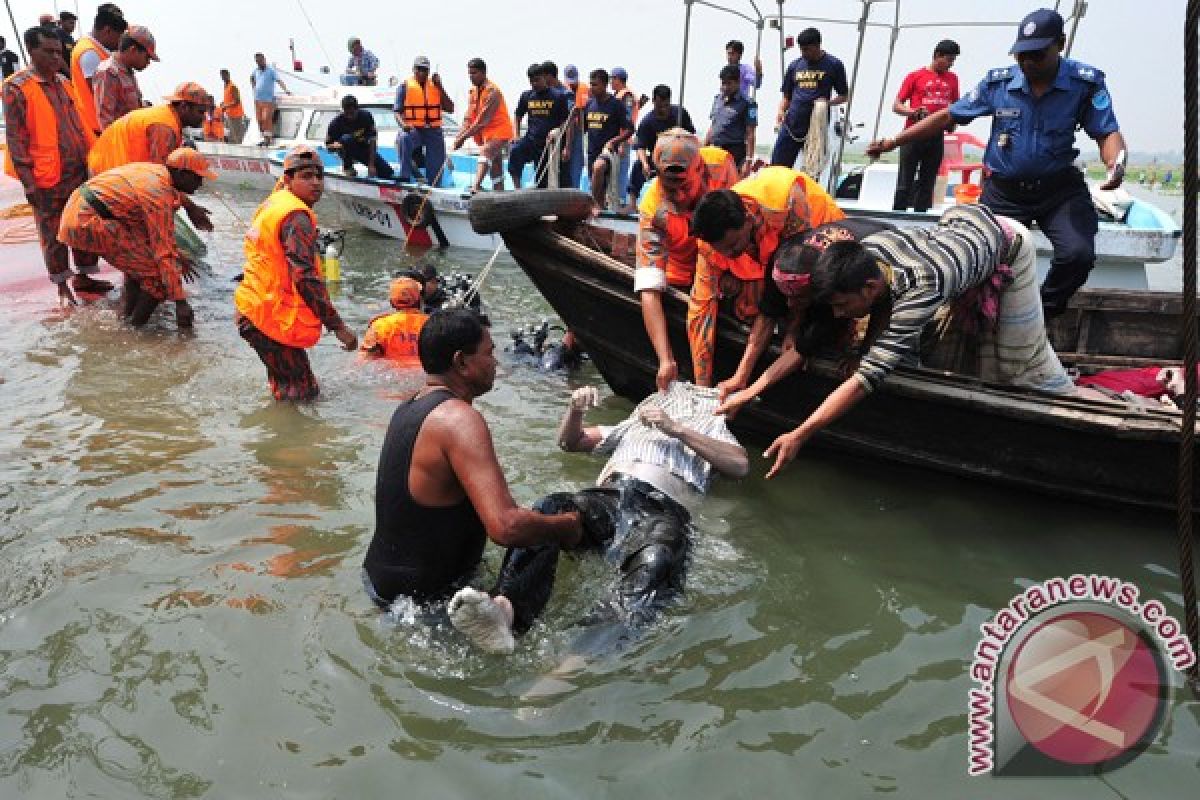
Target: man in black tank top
440, 492
660, 460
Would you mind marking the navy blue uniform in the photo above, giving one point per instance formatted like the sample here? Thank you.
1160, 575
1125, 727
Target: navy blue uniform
603, 120
730, 120
356, 135
805, 83
1031, 154
545, 111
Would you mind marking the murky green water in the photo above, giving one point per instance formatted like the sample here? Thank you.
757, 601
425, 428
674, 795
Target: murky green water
181, 613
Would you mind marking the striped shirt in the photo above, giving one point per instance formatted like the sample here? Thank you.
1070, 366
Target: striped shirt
632, 441
930, 267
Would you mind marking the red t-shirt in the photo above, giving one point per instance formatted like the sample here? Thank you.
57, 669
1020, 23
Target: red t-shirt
924, 88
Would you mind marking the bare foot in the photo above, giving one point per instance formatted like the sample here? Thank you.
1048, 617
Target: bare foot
486, 622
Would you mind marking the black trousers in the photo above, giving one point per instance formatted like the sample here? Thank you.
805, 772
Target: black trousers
1062, 207
919, 162
643, 533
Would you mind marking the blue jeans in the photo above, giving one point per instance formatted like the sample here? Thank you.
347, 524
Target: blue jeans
431, 143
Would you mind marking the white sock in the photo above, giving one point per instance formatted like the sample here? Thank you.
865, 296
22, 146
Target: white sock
482, 621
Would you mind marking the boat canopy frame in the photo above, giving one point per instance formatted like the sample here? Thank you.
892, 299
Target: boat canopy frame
750, 11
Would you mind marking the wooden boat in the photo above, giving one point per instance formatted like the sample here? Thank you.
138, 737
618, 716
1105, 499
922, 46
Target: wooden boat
1090, 450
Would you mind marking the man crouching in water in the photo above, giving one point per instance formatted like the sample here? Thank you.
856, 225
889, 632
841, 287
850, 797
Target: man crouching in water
662, 457
440, 493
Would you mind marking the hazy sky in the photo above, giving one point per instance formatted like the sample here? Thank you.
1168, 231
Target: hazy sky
1138, 45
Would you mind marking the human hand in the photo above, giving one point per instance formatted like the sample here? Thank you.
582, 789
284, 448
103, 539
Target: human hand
659, 420
199, 216
668, 372
347, 338
437, 79
729, 386
758, 65
880, 146
188, 271
1115, 176
735, 402
66, 297
584, 398
184, 316
784, 450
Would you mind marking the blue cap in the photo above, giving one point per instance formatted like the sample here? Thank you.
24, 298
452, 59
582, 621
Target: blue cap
619, 72
571, 72
1040, 29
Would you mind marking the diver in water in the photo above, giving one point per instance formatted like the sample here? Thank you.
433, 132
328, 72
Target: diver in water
661, 459
531, 342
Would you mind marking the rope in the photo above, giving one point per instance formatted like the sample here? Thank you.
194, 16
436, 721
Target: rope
816, 145
316, 35
424, 200
482, 276
1187, 440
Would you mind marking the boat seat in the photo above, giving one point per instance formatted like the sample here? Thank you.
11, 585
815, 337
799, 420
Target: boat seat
952, 156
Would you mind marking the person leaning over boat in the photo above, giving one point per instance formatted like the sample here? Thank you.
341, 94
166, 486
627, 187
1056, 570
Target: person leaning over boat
262, 82
734, 119
127, 215
924, 91
816, 75
47, 152
983, 263
661, 460
1035, 106
231, 109
666, 248
663, 116
86, 56
352, 135
394, 335
282, 301
115, 84
488, 122
547, 110
738, 230
440, 493
786, 302
151, 134
419, 104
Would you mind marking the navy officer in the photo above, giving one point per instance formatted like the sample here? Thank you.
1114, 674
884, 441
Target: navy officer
1035, 107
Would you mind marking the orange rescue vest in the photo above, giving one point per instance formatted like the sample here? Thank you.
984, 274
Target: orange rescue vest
85, 100
266, 296
125, 142
676, 225
500, 125
43, 133
214, 129
231, 103
397, 332
422, 105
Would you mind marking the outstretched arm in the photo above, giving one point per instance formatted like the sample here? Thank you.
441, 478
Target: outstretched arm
727, 458
572, 436
839, 401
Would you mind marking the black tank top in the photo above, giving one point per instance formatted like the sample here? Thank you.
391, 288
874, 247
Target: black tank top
424, 552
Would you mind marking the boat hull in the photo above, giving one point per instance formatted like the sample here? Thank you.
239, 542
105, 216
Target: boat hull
1085, 450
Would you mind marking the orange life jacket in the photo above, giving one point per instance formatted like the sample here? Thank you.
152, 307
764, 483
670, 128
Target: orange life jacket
266, 296
125, 142
397, 332
43, 132
231, 103
784, 211
422, 105
500, 125
676, 224
85, 100
214, 129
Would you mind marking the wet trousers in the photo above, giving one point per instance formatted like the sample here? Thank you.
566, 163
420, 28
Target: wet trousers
644, 535
288, 372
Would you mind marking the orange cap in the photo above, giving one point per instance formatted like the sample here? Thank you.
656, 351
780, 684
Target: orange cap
141, 34
405, 293
302, 156
189, 92
191, 160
